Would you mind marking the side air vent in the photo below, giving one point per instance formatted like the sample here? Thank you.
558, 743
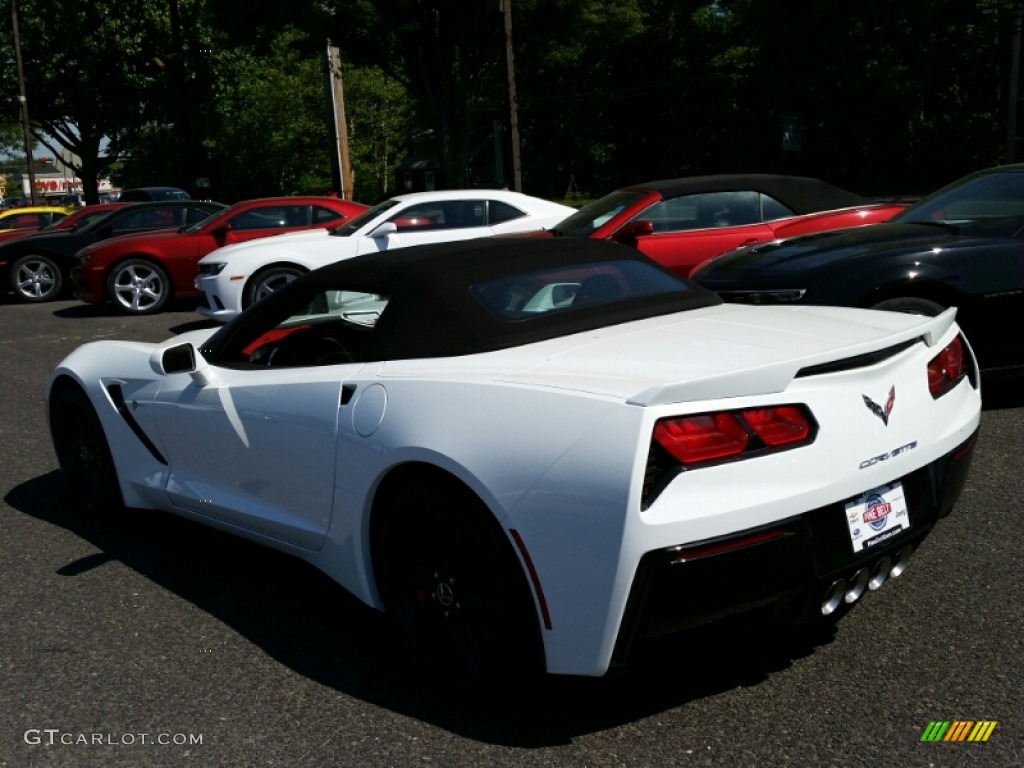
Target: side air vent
117, 396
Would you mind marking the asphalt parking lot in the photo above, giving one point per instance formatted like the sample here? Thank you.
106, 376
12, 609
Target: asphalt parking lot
144, 640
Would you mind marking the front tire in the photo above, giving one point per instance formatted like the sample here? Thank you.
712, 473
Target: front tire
454, 588
83, 453
138, 287
36, 279
266, 282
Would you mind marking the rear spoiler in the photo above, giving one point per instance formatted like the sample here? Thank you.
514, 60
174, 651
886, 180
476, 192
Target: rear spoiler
776, 377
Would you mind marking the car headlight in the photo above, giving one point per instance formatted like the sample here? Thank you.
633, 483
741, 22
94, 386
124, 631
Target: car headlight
213, 268
773, 296
81, 257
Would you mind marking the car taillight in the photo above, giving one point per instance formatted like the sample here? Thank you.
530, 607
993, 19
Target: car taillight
946, 368
713, 436
778, 426
702, 438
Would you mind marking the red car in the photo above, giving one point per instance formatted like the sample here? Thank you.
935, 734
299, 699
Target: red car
682, 222
79, 217
141, 272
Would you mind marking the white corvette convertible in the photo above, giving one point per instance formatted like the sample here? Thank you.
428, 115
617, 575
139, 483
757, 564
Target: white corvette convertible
233, 277
538, 454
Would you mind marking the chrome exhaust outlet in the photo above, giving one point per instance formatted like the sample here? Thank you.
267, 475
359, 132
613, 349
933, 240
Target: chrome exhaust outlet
902, 560
833, 597
880, 573
857, 586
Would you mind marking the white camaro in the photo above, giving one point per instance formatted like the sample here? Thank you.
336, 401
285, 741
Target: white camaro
233, 277
538, 454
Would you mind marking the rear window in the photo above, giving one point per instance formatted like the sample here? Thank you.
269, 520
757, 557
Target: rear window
569, 289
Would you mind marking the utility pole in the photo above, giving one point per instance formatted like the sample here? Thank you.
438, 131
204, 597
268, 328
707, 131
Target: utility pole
23, 105
339, 126
1011, 114
513, 119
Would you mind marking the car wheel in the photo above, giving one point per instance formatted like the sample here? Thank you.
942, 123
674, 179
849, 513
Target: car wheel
83, 452
269, 280
911, 305
36, 278
453, 586
138, 287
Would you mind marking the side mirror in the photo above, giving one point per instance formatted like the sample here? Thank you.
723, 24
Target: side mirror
222, 230
385, 229
182, 358
634, 229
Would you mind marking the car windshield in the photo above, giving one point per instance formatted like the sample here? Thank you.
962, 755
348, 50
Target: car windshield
991, 205
596, 214
353, 224
570, 288
97, 222
203, 222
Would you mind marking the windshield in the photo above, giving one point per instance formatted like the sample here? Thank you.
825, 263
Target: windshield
203, 222
353, 224
990, 205
97, 222
596, 214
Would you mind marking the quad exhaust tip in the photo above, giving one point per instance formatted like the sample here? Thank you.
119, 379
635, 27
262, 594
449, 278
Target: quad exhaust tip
834, 597
880, 573
851, 591
902, 560
857, 586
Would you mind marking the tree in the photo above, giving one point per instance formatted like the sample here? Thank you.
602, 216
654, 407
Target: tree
98, 89
379, 117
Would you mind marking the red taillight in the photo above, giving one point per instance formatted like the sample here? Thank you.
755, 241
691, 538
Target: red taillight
946, 368
702, 438
712, 436
778, 426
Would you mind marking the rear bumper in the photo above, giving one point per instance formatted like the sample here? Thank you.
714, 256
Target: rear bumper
789, 567
88, 285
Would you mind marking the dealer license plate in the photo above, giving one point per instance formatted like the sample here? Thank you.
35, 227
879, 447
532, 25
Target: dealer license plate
877, 516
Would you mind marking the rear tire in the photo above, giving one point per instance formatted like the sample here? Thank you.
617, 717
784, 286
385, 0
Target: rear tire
83, 453
36, 279
911, 305
455, 590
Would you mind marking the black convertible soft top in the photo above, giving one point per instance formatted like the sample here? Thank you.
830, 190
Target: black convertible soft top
800, 194
432, 310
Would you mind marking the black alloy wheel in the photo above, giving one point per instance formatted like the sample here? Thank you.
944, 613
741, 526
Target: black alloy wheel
83, 453
454, 588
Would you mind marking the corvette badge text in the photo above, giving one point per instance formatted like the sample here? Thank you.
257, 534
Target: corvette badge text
54, 736
886, 456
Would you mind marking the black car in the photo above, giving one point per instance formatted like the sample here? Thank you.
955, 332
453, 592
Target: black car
37, 267
143, 194
962, 246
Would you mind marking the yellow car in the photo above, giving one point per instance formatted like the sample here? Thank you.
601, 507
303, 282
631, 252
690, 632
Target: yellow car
33, 216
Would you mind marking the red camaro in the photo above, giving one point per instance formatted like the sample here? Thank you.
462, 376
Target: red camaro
141, 272
682, 222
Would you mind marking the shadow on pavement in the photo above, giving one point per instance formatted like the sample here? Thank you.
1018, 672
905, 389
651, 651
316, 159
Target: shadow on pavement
304, 620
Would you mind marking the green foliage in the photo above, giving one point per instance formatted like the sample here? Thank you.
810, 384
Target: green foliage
885, 97
379, 117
